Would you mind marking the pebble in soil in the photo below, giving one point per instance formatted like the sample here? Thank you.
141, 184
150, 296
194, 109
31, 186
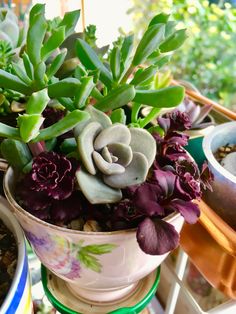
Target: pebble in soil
8, 260
226, 156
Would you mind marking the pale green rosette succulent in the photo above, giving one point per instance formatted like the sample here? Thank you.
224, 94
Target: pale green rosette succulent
113, 157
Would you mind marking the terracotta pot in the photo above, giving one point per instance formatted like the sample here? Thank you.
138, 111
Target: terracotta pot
97, 266
18, 299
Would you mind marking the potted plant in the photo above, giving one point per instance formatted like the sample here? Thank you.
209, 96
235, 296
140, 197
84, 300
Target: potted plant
15, 294
101, 198
218, 147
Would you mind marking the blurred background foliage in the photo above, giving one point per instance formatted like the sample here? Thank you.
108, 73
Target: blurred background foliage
208, 57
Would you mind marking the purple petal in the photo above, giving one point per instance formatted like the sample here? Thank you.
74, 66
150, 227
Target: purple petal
62, 190
157, 237
165, 180
164, 123
146, 198
190, 211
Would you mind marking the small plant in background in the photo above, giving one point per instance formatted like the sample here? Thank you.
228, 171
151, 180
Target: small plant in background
209, 52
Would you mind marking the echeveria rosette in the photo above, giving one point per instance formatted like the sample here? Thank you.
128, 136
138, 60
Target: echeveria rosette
113, 157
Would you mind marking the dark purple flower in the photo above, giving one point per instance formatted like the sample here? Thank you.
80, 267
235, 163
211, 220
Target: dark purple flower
53, 174
187, 188
174, 121
52, 115
206, 177
166, 181
156, 237
189, 210
183, 166
63, 211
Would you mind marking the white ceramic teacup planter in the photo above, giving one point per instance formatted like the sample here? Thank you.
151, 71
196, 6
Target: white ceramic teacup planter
18, 299
223, 197
114, 261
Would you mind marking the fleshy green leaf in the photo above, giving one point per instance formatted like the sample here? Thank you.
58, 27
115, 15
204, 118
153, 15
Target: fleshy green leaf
84, 91
118, 97
9, 131
28, 66
37, 102
64, 88
126, 48
56, 63
54, 41
8, 80
118, 116
90, 60
150, 41
21, 73
159, 18
29, 126
39, 73
68, 145
166, 97
70, 20
16, 153
174, 41
62, 126
143, 76
115, 63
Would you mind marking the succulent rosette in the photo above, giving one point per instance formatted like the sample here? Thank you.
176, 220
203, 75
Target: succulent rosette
113, 156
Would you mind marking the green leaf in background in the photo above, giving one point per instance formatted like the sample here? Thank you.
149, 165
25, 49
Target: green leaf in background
166, 97
150, 41
84, 91
142, 76
39, 75
99, 249
10, 81
159, 18
170, 28
16, 153
127, 47
62, 126
70, 20
80, 72
162, 61
37, 102
90, 60
115, 63
56, 64
67, 103
174, 41
89, 261
38, 8
118, 116
53, 42
35, 36
118, 97
64, 88
29, 126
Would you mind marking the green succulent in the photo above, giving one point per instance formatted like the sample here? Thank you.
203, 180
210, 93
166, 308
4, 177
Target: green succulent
120, 84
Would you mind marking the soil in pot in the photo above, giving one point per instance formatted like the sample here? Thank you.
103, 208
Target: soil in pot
8, 260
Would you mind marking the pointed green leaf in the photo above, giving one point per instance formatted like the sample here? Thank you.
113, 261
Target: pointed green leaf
35, 36
62, 126
159, 18
174, 41
28, 66
29, 126
67, 103
118, 97
84, 91
39, 75
115, 63
53, 42
90, 60
150, 41
21, 73
70, 20
143, 76
36, 9
7, 131
56, 64
166, 97
127, 48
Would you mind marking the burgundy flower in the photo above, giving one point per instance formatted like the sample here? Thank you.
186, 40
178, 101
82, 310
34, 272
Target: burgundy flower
189, 210
187, 187
52, 115
183, 166
156, 237
53, 174
206, 177
174, 121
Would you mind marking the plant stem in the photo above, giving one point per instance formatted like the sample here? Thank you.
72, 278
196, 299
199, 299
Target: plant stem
152, 115
135, 111
37, 148
127, 74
